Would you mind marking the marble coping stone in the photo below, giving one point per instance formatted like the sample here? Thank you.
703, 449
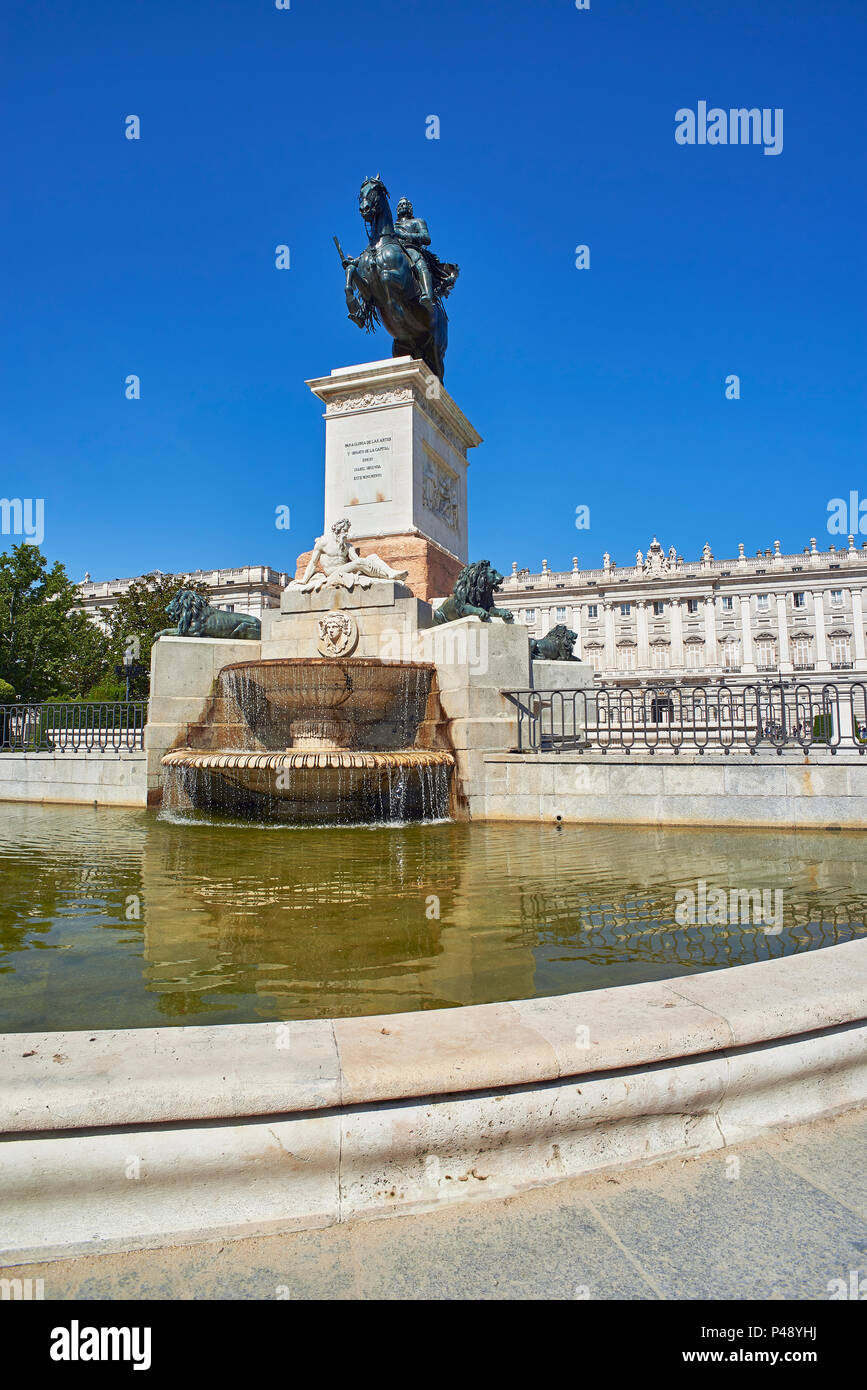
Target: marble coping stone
98, 1079
380, 593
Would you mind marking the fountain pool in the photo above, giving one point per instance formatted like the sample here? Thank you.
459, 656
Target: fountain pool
122, 919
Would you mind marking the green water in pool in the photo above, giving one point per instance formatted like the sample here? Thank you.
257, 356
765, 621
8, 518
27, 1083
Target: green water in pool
120, 919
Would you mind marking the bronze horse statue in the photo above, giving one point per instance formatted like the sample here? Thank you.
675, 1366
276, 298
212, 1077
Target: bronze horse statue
381, 286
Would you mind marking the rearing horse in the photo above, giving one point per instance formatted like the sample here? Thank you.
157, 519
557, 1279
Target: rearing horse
381, 287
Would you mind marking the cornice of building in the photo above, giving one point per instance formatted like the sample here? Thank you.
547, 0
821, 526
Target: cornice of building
238, 575
658, 571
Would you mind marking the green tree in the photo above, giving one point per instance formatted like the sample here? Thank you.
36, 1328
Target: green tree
47, 646
140, 614
89, 664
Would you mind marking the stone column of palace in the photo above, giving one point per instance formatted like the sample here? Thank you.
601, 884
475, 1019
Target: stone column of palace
677, 657
858, 627
711, 653
396, 466
576, 627
822, 662
643, 635
748, 661
783, 624
610, 648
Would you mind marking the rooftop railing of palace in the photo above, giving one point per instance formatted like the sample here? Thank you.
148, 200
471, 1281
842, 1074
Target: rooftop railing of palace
73, 727
691, 569
676, 717
216, 579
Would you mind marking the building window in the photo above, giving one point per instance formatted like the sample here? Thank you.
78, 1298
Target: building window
761, 603
731, 656
840, 651
626, 658
658, 608
836, 598
801, 652
593, 656
766, 653
659, 657
694, 655
798, 601
727, 604
229, 607
625, 610
529, 615
560, 615
592, 610
692, 605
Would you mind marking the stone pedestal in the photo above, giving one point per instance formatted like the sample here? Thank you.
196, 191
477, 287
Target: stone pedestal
561, 675
183, 672
386, 616
562, 714
475, 662
396, 466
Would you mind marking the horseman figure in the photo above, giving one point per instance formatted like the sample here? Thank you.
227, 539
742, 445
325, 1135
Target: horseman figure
435, 280
397, 280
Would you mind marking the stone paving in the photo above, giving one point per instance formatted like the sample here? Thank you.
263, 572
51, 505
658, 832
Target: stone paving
779, 1218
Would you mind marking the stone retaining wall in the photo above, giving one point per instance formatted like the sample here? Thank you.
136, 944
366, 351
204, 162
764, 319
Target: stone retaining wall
117, 1140
104, 779
640, 789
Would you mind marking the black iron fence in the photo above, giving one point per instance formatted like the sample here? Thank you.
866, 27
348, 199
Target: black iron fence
79, 727
671, 718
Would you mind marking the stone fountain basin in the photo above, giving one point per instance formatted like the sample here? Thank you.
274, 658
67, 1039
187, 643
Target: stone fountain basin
335, 786
359, 702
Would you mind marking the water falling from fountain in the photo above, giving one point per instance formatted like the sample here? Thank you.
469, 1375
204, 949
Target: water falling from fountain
317, 742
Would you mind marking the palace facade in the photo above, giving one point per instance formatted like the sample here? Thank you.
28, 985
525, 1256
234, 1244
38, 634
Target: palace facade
798, 615
249, 589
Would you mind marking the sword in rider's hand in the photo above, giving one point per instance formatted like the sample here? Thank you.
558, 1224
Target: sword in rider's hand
344, 260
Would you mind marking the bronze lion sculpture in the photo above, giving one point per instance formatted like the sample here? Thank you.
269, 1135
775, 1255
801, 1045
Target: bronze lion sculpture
473, 596
556, 645
193, 616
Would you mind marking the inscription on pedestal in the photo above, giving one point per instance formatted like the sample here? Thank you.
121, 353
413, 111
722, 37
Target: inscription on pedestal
367, 469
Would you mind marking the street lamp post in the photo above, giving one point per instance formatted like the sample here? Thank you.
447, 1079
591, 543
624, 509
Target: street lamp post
129, 670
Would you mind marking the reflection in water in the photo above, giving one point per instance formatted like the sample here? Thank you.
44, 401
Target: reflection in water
114, 918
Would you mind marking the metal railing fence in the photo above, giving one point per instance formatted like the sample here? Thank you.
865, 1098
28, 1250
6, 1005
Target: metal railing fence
675, 717
73, 727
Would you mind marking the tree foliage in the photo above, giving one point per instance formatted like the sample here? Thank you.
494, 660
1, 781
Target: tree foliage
47, 647
50, 648
137, 617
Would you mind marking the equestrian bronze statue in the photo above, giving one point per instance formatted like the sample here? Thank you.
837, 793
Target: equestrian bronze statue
398, 281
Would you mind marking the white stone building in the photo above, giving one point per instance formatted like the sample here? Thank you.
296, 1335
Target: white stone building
663, 617
249, 589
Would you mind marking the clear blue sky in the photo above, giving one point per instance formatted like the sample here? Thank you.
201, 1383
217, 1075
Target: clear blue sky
604, 387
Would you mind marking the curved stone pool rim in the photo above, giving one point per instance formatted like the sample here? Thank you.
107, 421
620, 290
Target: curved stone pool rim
127, 1138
